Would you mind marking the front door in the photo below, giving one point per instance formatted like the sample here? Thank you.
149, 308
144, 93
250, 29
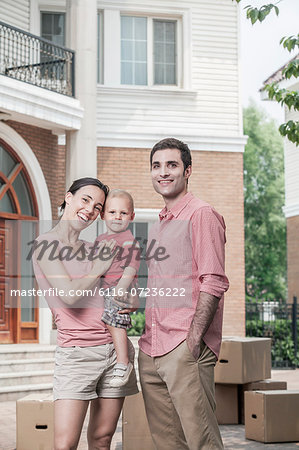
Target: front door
18, 223
6, 312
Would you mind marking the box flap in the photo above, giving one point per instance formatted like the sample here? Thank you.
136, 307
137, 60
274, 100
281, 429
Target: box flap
36, 398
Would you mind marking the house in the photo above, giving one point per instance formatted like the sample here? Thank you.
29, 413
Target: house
86, 88
291, 207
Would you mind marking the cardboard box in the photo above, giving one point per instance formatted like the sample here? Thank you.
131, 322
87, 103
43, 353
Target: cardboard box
227, 411
272, 416
243, 360
135, 432
263, 385
35, 422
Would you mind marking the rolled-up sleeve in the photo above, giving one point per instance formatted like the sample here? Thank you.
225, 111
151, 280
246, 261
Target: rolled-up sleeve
208, 242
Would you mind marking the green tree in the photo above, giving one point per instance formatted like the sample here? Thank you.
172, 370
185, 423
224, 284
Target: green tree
265, 228
283, 96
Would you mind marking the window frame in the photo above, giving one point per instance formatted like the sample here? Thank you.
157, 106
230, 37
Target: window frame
147, 55
112, 46
43, 11
176, 43
150, 49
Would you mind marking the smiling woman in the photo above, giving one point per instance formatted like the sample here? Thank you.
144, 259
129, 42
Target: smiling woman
84, 343
86, 197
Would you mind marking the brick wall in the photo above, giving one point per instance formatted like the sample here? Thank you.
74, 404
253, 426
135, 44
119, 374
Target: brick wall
218, 179
51, 158
293, 257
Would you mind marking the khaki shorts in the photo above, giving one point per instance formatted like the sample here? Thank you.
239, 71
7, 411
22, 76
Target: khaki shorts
83, 373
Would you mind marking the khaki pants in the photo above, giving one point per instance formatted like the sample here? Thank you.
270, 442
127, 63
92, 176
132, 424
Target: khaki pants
179, 396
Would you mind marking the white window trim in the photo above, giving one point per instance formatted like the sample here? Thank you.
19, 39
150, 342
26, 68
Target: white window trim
100, 47
146, 215
112, 44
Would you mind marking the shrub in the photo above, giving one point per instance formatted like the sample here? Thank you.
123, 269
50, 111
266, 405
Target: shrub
138, 323
280, 332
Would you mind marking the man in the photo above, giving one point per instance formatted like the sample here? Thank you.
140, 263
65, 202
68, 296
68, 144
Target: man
184, 309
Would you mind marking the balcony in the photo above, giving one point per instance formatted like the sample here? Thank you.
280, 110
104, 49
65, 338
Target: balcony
34, 60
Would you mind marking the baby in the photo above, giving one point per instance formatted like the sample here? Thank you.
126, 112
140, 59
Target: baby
117, 214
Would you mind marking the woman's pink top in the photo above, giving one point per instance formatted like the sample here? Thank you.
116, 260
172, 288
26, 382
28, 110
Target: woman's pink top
79, 324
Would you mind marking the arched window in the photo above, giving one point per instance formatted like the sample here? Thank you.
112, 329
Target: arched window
17, 198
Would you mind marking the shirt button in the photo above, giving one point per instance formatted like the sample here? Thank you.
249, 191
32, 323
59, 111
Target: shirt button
153, 324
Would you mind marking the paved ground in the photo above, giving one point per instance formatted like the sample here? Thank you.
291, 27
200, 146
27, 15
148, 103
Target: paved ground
233, 435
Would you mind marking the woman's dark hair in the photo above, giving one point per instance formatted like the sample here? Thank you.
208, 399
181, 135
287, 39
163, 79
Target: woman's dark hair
81, 182
173, 143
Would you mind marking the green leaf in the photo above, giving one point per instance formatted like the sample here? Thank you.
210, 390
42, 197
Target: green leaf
290, 42
262, 15
291, 131
291, 70
253, 14
282, 39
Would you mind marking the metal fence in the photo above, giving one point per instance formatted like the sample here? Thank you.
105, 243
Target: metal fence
280, 322
35, 60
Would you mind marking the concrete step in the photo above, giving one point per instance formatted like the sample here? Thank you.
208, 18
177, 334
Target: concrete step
9, 393
21, 378
26, 351
25, 365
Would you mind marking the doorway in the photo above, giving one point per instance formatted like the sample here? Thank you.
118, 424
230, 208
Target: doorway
18, 226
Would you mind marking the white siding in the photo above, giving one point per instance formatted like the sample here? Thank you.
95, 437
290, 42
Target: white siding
208, 106
291, 168
15, 13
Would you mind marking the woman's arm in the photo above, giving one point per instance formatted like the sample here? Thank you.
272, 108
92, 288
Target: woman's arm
58, 277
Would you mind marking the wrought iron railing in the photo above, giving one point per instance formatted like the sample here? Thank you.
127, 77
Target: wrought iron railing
280, 322
35, 60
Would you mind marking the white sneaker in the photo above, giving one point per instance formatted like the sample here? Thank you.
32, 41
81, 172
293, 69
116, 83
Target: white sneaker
121, 374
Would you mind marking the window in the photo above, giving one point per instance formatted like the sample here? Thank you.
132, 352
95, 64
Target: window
164, 52
53, 27
133, 50
140, 232
148, 51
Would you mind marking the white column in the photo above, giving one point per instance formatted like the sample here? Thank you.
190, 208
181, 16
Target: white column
81, 28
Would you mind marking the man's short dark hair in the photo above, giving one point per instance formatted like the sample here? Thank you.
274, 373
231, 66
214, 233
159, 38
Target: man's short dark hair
173, 143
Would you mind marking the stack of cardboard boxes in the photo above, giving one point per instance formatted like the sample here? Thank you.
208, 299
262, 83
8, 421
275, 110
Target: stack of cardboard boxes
244, 392
271, 412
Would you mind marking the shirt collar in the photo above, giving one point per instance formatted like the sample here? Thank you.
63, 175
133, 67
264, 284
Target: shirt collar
177, 208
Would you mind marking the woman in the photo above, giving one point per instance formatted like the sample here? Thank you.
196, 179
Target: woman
85, 355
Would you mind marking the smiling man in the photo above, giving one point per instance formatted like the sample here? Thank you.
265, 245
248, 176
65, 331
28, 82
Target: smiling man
184, 310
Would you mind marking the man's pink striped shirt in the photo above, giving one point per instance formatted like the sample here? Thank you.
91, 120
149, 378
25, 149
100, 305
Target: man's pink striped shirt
193, 236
